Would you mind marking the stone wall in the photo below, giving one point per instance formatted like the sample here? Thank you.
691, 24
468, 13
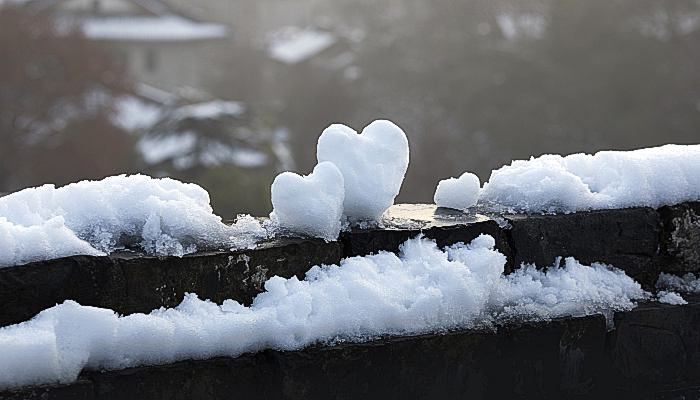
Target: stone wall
652, 352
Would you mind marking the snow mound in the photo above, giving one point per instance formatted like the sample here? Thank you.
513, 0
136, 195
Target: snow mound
310, 205
687, 283
460, 193
671, 298
649, 177
164, 28
45, 240
373, 165
161, 216
423, 289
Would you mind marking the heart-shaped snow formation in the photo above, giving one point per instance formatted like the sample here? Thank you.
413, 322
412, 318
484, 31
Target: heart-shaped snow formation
460, 193
310, 205
373, 165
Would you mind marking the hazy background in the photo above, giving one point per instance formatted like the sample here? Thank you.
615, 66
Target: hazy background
227, 93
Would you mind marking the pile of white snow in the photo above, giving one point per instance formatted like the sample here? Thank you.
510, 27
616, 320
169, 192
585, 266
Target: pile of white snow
372, 166
688, 283
672, 298
649, 177
293, 45
311, 204
424, 289
165, 28
458, 193
161, 216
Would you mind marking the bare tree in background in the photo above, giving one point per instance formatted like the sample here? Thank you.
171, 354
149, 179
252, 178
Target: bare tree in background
57, 90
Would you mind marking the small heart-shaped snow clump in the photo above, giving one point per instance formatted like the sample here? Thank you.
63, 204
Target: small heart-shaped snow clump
310, 205
373, 165
460, 193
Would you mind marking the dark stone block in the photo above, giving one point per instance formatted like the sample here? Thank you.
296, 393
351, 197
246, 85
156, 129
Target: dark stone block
129, 283
656, 347
680, 239
626, 238
406, 221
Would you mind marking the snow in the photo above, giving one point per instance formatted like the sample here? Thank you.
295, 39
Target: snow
158, 149
48, 239
294, 45
209, 110
688, 283
309, 205
649, 177
217, 153
133, 114
671, 298
161, 216
515, 27
460, 193
373, 165
167, 28
185, 150
423, 289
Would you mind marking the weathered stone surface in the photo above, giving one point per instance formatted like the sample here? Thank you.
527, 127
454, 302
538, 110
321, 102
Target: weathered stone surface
627, 239
656, 348
130, 283
406, 221
680, 240
80, 390
640, 241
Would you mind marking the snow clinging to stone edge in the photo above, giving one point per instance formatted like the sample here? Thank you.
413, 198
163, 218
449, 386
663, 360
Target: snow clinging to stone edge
650, 177
423, 289
161, 216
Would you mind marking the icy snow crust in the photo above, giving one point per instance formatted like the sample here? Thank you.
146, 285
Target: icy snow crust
423, 289
161, 216
460, 193
649, 177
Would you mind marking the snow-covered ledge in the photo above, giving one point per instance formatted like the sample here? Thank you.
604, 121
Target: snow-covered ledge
641, 241
598, 354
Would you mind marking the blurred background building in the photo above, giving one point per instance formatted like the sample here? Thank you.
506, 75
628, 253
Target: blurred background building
227, 93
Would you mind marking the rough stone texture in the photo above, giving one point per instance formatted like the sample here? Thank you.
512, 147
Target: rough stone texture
406, 221
131, 283
656, 348
640, 241
681, 237
629, 239
83, 389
